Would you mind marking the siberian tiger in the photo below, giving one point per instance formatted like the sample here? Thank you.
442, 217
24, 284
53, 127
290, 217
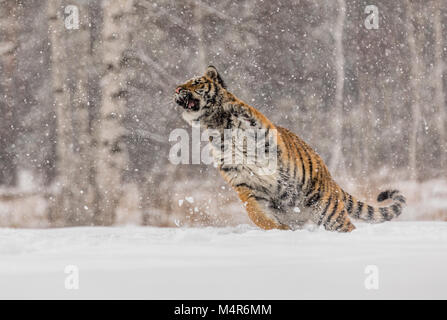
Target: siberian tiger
301, 188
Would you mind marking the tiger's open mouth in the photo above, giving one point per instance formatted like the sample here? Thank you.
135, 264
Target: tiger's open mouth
188, 103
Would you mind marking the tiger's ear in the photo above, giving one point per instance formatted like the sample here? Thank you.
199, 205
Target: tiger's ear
211, 72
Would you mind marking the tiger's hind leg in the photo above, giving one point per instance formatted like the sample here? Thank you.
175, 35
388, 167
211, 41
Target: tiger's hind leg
341, 223
258, 210
334, 217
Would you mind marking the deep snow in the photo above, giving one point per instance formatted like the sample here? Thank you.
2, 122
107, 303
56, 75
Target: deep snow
237, 262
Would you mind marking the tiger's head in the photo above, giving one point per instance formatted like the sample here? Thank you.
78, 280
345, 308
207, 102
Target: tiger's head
201, 93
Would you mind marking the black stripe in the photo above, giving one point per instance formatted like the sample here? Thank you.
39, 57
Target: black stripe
303, 172
370, 213
260, 198
323, 213
289, 158
294, 170
396, 209
349, 207
243, 185
399, 198
288, 167
392, 193
212, 101
309, 160
340, 223
311, 188
253, 188
280, 182
303, 168
359, 209
313, 200
209, 89
226, 169
333, 211
310, 167
385, 213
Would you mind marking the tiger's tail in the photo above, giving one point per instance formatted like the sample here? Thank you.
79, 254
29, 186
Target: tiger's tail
362, 211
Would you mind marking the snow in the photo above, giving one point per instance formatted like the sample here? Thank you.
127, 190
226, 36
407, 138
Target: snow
240, 262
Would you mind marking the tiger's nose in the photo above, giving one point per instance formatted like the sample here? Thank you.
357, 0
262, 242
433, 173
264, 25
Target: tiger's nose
178, 89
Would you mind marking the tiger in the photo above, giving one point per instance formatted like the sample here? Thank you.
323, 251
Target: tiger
300, 190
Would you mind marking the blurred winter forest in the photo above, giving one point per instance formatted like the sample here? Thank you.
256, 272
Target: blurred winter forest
86, 102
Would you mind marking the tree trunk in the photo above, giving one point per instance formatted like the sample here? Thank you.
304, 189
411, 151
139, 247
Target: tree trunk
9, 27
89, 87
74, 203
337, 162
198, 31
415, 74
439, 89
109, 131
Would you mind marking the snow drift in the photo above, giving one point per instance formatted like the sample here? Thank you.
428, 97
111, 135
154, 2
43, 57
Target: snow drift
218, 263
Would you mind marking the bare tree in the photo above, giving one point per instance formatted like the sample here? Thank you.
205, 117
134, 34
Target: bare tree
438, 84
111, 157
337, 161
75, 199
198, 30
90, 89
415, 74
9, 27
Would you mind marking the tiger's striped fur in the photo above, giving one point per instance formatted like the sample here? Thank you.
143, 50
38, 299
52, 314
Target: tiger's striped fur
300, 190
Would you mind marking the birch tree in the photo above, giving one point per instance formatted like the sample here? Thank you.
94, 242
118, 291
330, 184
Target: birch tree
9, 27
415, 74
337, 161
70, 54
111, 158
438, 85
198, 30
89, 88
